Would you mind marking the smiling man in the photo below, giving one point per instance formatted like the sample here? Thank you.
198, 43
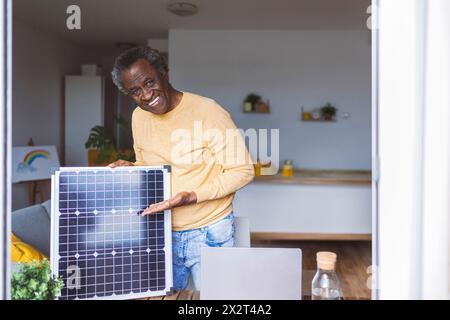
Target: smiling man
204, 176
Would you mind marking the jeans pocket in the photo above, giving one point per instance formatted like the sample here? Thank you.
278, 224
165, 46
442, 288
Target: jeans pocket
220, 232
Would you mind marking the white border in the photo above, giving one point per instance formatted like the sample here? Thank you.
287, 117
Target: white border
414, 140
54, 224
436, 164
400, 148
5, 149
167, 230
375, 150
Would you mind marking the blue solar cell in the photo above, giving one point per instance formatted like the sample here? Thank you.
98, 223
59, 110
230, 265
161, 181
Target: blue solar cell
103, 239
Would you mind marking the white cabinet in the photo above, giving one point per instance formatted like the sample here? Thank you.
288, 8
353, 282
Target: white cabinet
306, 211
84, 109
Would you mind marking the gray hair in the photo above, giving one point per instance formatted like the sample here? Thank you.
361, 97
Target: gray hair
130, 56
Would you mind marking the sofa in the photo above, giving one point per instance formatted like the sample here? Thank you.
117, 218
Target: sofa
32, 225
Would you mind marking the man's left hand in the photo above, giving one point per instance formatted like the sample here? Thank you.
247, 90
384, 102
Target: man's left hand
181, 199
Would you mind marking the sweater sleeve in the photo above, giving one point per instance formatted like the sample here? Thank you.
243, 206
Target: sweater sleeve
229, 153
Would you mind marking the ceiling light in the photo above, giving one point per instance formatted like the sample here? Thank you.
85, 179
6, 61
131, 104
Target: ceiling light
183, 8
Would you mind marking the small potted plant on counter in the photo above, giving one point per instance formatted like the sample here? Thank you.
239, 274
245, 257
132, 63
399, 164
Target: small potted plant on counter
250, 101
328, 112
35, 282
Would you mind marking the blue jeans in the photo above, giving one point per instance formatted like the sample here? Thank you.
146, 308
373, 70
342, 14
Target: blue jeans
186, 246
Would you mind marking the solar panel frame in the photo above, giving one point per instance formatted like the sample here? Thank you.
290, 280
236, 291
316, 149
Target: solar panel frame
55, 213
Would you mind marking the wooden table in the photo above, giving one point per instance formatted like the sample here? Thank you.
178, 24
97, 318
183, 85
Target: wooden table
189, 295
350, 287
195, 295
180, 295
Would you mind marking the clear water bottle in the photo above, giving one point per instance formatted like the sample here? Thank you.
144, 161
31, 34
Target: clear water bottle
326, 284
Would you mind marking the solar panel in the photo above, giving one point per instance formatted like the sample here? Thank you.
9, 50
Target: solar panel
100, 245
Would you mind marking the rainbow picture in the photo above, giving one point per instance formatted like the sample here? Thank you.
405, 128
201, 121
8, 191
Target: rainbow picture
35, 154
34, 162
30, 157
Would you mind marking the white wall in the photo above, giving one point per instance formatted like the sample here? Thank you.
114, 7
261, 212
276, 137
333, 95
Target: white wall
291, 68
40, 62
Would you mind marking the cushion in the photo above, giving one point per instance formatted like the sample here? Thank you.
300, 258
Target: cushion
22, 252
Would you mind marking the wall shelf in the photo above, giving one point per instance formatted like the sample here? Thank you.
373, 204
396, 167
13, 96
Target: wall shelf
318, 120
253, 112
315, 115
320, 177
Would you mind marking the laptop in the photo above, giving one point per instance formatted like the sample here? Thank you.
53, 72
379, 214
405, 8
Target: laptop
251, 274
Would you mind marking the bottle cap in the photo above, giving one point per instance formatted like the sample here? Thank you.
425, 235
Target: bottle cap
326, 260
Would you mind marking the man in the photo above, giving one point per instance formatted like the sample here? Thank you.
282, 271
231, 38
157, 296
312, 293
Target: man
204, 176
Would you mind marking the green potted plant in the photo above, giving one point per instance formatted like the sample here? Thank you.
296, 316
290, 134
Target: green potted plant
328, 112
125, 154
35, 282
102, 149
250, 101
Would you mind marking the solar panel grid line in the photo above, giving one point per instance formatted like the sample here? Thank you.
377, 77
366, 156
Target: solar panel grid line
123, 284
157, 281
99, 191
76, 237
113, 282
140, 276
147, 222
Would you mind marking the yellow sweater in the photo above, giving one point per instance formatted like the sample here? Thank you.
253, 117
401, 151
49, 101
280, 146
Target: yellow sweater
192, 139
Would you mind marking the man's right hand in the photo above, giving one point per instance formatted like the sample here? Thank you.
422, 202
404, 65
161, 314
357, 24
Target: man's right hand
121, 163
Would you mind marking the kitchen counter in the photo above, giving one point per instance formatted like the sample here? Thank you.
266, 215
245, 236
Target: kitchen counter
320, 177
311, 205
